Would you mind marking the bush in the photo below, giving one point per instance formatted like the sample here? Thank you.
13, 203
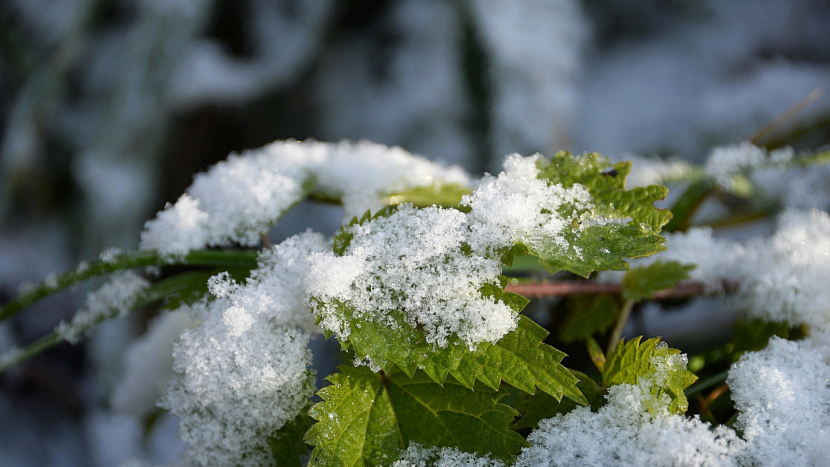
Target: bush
425, 289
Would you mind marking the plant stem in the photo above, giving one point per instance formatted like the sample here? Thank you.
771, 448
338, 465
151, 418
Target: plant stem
154, 293
705, 384
618, 328
222, 258
686, 206
563, 289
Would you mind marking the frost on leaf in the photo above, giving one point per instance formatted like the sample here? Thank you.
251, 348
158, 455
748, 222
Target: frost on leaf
367, 418
406, 290
115, 298
618, 224
655, 366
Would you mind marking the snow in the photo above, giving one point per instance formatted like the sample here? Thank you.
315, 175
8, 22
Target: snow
625, 432
783, 396
410, 266
725, 162
147, 365
243, 372
420, 456
240, 198
115, 298
518, 207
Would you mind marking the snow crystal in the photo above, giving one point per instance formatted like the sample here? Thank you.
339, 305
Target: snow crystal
727, 161
177, 229
229, 392
625, 433
148, 364
411, 266
518, 207
110, 255
239, 198
420, 456
242, 373
115, 298
783, 396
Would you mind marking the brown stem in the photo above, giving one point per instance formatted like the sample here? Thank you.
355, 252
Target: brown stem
562, 289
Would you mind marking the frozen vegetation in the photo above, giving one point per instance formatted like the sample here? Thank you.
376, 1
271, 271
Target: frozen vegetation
229, 366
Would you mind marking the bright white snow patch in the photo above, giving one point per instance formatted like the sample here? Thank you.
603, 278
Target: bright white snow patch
783, 396
411, 266
781, 278
243, 373
516, 206
420, 456
237, 199
625, 433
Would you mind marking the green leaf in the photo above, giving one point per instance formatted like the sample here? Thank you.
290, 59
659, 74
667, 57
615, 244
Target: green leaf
287, 445
537, 407
588, 315
642, 282
751, 336
447, 195
632, 361
622, 223
520, 358
367, 418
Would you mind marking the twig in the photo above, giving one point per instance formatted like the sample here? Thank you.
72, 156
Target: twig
563, 289
787, 114
243, 258
618, 328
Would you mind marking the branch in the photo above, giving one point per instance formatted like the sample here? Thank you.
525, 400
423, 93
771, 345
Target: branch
563, 289
243, 258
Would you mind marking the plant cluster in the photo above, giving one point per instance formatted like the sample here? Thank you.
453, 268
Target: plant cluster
424, 287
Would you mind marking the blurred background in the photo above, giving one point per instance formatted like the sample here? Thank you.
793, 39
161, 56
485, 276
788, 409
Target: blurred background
108, 107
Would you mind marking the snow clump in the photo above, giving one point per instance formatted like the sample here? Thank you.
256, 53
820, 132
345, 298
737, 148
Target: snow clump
243, 373
517, 206
113, 299
782, 394
411, 266
241, 197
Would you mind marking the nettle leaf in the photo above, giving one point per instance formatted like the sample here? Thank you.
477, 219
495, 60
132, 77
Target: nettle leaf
343, 237
632, 361
520, 358
537, 407
447, 195
754, 335
287, 445
367, 418
642, 282
622, 224
588, 315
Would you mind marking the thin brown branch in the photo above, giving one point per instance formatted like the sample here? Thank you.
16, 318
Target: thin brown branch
563, 289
